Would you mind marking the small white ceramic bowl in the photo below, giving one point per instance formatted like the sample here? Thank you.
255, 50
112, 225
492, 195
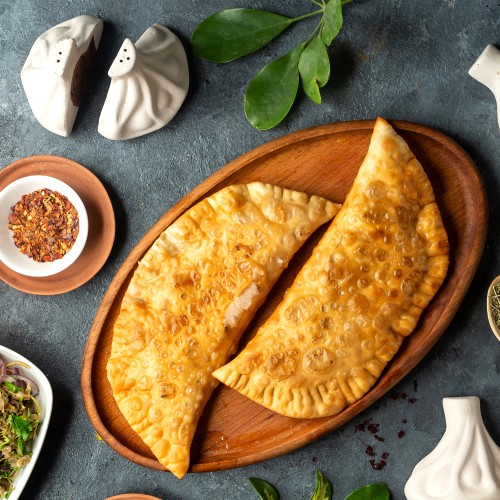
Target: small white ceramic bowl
45, 399
10, 254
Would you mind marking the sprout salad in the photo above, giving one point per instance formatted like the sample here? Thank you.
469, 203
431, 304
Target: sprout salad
19, 422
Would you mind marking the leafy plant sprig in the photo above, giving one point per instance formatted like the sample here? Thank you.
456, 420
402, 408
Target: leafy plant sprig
233, 33
375, 491
324, 490
265, 490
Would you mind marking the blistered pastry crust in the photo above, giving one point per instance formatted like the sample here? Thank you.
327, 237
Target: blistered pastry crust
190, 298
361, 292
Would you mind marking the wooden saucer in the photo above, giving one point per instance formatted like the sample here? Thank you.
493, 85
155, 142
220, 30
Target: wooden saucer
101, 224
133, 496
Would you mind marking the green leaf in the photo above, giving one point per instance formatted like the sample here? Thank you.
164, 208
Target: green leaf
233, 33
4, 442
323, 490
21, 427
21, 446
332, 21
314, 69
12, 387
265, 490
271, 93
376, 491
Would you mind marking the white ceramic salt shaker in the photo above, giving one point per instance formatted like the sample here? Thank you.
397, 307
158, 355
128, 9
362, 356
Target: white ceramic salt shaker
55, 72
149, 82
486, 70
465, 465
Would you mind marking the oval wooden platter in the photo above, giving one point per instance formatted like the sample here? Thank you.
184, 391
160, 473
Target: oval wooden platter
323, 160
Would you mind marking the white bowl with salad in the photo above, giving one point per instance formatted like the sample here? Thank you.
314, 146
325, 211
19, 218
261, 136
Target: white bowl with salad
25, 407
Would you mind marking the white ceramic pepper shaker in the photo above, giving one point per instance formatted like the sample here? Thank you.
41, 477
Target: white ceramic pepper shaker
465, 465
56, 70
149, 82
486, 70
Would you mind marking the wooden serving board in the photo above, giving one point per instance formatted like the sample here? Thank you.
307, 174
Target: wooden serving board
324, 160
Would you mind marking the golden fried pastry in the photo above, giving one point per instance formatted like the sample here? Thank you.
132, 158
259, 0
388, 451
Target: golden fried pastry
361, 292
189, 300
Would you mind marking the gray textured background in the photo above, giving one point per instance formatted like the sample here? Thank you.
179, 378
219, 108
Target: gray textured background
397, 58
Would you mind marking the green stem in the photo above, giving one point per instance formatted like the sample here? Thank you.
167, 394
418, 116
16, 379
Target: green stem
319, 4
310, 14
318, 27
346, 1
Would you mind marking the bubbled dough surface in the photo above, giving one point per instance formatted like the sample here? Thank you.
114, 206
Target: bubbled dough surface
361, 292
189, 300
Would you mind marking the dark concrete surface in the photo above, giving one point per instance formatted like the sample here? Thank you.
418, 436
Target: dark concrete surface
397, 58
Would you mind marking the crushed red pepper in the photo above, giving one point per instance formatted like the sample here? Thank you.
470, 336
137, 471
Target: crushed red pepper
45, 225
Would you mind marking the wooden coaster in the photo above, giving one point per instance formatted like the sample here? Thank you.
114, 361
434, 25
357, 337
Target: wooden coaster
133, 496
101, 224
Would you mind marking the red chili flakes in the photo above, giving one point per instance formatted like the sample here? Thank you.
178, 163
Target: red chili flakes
370, 451
45, 225
361, 427
397, 395
378, 465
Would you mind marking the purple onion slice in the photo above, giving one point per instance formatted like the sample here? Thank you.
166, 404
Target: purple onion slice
3, 370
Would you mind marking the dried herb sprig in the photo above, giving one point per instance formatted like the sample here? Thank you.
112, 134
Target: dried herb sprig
233, 33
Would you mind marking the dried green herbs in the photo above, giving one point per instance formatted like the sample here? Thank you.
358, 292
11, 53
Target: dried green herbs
495, 304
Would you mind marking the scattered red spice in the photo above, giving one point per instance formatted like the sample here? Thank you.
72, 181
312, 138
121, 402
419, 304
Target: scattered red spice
373, 428
45, 225
398, 395
377, 465
361, 427
370, 451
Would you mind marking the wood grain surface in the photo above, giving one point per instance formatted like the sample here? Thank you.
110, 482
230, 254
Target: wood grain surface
132, 496
324, 160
